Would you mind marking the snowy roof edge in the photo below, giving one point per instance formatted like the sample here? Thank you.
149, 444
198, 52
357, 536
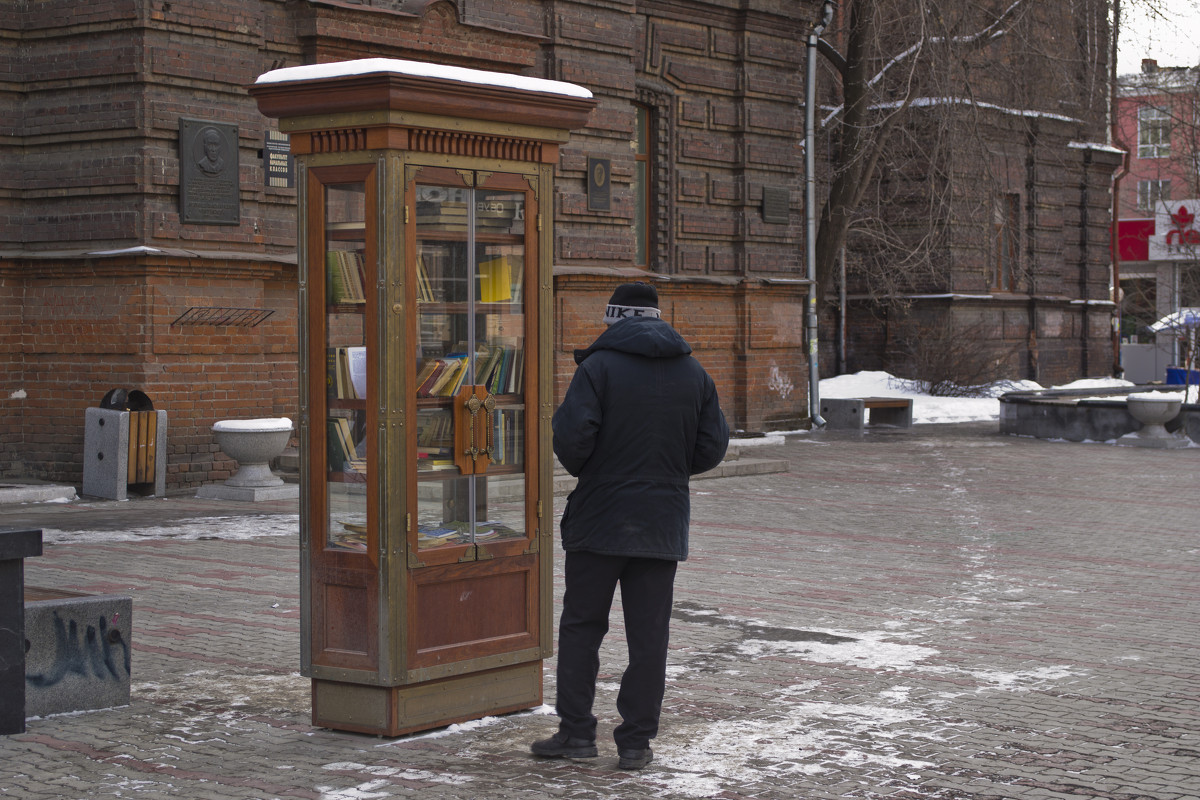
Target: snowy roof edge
1107, 148
421, 69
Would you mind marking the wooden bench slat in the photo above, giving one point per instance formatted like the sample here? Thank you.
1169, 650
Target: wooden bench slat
36, 593
885, 402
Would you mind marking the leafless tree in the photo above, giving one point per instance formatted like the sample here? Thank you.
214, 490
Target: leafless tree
908, 124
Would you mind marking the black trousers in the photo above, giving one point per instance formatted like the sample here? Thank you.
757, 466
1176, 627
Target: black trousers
647, 589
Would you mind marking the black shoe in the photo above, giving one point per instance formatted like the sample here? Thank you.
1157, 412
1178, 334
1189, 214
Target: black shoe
560, 745
634, 757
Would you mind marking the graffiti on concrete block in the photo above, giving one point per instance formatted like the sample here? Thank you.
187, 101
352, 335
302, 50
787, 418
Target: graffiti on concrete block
101, 652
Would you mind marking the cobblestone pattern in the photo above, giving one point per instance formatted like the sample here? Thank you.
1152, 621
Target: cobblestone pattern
942, 614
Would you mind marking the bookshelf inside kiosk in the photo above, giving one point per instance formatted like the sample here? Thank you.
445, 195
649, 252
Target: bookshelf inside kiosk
425, 328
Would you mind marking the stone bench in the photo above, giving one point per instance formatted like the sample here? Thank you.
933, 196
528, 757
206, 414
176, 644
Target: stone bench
851, 413
78, 651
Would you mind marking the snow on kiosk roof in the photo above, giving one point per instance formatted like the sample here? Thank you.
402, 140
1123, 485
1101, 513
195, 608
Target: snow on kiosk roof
373, 84
423, 69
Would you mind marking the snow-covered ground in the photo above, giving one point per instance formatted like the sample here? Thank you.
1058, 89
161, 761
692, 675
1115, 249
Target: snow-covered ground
928, 409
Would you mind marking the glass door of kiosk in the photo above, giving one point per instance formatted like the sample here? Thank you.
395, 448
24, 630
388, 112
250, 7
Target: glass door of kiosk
472, 235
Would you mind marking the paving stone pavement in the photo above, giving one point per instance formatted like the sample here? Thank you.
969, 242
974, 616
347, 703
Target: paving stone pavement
937, 614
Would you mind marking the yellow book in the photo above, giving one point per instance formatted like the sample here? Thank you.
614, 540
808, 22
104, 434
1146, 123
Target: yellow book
495, 280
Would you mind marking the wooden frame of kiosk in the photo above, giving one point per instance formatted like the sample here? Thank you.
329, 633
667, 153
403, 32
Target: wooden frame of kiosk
425, 235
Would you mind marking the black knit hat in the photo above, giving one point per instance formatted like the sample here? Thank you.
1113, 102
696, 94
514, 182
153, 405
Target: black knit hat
631, 300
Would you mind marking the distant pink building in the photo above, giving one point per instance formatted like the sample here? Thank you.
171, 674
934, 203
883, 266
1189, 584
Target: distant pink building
1158, 202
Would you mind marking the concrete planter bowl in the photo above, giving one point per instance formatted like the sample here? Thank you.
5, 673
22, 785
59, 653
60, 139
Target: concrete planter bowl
1154, 410
253, 443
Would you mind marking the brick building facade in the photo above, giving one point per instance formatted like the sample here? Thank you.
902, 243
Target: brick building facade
105, 284
994, 193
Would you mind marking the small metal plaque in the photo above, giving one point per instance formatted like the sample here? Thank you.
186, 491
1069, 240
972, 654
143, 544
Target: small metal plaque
775, 202
277, 161
599, 185
208, 171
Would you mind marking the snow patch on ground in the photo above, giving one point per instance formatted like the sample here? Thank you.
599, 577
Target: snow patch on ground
868, 651
228, 528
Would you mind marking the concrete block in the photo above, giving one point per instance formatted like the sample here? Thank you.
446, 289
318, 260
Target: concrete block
842, 413
79, 655
15, 547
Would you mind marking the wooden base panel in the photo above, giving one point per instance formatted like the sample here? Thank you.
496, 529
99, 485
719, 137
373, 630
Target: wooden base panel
399, 710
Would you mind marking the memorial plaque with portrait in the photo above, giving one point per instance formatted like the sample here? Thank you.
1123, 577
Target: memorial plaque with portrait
208, 169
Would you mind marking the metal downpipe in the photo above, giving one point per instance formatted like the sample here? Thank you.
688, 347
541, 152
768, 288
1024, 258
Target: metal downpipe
810, 216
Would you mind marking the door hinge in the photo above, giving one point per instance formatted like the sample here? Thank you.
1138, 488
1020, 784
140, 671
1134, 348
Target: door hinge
406, 213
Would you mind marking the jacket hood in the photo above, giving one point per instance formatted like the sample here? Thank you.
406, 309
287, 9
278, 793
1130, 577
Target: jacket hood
643, 336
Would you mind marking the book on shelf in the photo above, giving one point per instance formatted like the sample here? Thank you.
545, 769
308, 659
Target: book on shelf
445, 381
495, 280
493, 529
342, 449
346, 373
485, 366
337, 377
444, 214
502, 372
348, 542
452, 377
438, 536
441, 377
344, 274
427, 375
508, 429
339, 456
352, 536
450, 208
356, 364
424, 288
516, 373
435, 440
435, 430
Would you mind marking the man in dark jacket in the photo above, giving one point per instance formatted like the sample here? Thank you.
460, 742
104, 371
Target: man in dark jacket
640, 417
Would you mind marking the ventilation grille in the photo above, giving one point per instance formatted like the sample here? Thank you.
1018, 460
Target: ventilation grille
218, 315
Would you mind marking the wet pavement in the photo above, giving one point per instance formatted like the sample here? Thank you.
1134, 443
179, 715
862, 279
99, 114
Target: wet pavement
942, 613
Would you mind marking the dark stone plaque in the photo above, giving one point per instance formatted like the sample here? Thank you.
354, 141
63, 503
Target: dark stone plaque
775, 201
599, 185
208, 170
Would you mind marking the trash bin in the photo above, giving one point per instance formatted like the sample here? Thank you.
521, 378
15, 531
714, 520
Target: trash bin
124, 444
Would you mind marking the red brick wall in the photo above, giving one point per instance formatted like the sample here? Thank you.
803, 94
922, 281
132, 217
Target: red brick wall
748, 337
107, 323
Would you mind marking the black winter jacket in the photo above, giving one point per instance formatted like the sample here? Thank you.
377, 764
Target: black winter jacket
640, 417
